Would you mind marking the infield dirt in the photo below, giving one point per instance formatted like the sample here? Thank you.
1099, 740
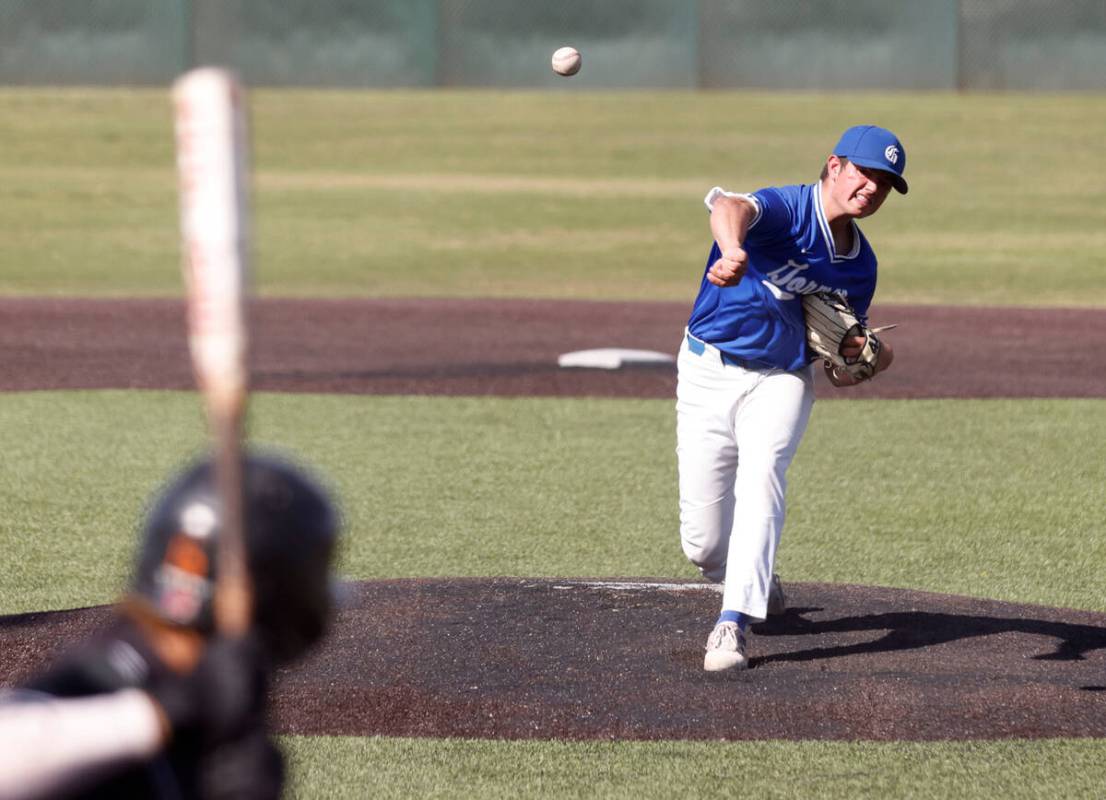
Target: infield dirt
489, 347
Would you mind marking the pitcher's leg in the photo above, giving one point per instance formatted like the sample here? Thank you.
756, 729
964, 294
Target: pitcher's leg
769, 427
707, 463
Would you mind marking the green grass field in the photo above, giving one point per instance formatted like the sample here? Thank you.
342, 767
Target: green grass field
583, 195
518, 194
404, 768
570, 487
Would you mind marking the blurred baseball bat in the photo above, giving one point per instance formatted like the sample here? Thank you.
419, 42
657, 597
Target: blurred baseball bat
212, 169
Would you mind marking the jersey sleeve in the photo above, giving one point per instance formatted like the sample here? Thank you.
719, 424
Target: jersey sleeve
776, 217
718, 191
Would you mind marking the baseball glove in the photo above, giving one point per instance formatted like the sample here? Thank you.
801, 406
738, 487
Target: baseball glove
829, 321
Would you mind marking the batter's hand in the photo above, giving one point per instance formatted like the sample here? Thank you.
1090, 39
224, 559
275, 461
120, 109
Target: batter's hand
730, 268
221, 697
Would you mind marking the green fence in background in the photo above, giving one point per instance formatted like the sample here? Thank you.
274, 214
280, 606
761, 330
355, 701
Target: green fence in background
785, 44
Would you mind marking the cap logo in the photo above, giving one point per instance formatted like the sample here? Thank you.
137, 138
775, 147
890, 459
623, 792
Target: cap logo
891, 154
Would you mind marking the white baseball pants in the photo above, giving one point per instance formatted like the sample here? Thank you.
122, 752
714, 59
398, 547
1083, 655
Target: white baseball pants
737, 430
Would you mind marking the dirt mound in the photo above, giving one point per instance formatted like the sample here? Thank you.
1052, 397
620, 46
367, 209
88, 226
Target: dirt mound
575, 659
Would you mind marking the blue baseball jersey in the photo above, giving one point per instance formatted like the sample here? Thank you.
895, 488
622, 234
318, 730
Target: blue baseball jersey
791, 253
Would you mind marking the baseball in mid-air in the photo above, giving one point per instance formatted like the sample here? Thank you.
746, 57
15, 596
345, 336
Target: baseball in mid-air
566, 61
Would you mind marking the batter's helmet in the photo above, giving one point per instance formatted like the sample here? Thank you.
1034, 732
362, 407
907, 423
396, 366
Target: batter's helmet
291, 531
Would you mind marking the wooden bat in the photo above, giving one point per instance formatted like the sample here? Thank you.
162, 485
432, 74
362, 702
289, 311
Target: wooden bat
212, 170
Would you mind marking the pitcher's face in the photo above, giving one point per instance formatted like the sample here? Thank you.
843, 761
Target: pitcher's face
857, 191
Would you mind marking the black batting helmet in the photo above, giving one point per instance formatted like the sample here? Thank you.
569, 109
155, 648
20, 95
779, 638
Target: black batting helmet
291, 531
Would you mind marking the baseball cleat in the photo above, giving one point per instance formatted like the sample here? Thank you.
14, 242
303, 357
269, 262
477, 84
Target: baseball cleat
777, 601
725, 649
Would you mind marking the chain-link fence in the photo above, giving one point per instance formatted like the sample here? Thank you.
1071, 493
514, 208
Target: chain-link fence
792, 44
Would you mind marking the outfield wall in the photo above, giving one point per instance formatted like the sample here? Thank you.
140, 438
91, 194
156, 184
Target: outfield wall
784, 44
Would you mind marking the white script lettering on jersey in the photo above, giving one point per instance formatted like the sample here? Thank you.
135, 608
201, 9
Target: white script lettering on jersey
786, 282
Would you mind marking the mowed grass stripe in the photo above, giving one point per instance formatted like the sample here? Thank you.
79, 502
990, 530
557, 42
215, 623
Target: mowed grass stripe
991, 498
538, 194
340, 767
102, 179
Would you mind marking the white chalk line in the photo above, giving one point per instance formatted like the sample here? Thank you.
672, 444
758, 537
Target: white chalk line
632, 586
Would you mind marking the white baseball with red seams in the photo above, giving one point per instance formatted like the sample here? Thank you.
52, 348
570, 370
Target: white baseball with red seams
566, 61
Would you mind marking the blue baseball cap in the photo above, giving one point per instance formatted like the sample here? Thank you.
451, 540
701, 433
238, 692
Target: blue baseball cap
876, 148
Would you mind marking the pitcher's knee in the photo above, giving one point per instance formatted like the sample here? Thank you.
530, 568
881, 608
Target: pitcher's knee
711, 561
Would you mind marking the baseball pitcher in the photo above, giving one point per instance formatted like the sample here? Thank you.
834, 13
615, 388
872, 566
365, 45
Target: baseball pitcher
746, 386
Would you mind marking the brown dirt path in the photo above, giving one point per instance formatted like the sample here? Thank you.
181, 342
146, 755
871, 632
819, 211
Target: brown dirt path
569, 659
489, 347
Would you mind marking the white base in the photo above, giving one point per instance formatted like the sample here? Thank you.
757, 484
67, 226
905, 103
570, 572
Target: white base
613, 358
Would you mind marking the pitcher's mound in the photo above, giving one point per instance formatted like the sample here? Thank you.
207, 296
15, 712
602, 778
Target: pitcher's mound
573, 659
622, 659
